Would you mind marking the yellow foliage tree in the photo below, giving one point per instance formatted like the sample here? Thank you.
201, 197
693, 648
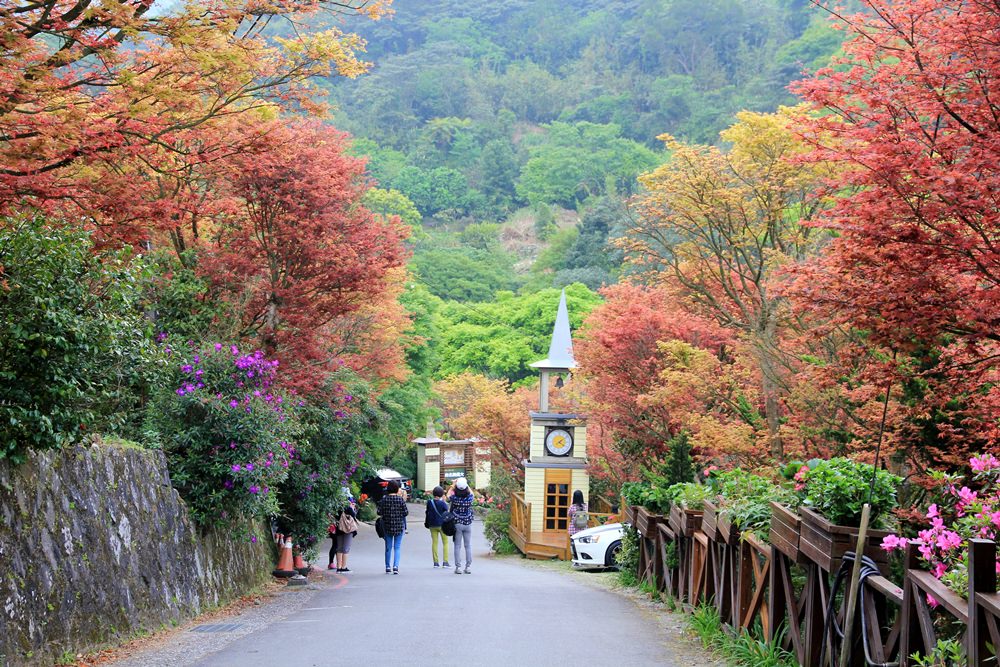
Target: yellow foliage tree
717, 226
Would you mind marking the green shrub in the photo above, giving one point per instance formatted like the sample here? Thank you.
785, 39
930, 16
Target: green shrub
747, 498
75, 351
655, 499
839, 488
495, 527
689, 495
627, 557
327, 453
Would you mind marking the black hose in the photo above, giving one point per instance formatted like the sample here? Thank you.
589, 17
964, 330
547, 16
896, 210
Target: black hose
868, 569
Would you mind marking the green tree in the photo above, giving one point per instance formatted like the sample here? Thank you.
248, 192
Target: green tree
464, 274
76, 355
573, 162
501, 338
498, 171
392, 202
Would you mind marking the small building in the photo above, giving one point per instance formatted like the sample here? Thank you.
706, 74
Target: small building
440, 460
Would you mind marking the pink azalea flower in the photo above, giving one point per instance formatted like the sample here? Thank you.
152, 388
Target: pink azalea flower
893, 542
966, 496
984, 463
949, 540
939, 570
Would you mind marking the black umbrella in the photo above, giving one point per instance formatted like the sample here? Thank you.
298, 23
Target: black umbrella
375, 488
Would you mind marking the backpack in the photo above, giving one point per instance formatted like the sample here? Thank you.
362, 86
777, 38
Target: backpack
581, 519
448, 524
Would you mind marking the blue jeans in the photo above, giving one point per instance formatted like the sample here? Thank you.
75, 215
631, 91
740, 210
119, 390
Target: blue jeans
393, 542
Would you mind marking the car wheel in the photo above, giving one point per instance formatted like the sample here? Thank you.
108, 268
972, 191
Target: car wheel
609, 556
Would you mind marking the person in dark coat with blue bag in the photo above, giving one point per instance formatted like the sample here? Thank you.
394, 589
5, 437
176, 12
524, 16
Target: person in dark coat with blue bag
436, 510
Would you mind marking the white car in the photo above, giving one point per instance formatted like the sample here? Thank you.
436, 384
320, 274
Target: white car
596, 547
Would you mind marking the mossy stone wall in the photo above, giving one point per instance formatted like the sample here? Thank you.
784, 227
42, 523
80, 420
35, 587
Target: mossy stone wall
95, 546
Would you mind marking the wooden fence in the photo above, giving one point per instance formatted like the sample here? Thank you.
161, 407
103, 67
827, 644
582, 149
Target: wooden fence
794, 589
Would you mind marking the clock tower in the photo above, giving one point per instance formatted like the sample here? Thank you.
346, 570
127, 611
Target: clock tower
557, 464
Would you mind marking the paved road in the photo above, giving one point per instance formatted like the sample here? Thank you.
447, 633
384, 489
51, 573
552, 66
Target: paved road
504, 613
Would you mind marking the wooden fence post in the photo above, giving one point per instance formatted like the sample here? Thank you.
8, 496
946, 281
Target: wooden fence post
778, 604
909, 626
982, 579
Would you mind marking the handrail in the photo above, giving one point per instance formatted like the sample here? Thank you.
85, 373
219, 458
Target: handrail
897, 622
520, 514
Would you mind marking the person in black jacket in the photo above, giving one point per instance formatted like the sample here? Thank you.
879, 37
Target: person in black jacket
392, 508
436, 508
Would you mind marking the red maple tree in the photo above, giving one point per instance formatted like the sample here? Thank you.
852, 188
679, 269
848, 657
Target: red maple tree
621, 362
912, 111
299, 254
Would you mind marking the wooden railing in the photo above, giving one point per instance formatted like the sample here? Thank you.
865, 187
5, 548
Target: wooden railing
520, 520
788, 594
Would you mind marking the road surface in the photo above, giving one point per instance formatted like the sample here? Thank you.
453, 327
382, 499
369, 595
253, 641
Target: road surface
505, 614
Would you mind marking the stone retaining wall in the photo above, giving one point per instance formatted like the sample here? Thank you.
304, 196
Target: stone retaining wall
95, 545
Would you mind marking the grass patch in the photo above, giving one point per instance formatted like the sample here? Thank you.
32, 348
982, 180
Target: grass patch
743, 648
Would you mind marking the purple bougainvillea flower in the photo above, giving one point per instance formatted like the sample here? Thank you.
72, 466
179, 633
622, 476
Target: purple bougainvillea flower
180, 391
234, 403
218, 346
186, 368
254, 489
248, 467
236, 467
253, 539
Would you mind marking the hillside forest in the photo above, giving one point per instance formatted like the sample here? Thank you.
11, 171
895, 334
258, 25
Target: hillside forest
274, 240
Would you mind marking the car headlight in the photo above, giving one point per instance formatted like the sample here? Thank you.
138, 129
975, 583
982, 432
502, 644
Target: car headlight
590, 539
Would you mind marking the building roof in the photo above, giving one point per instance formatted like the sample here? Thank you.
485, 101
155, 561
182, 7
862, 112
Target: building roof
561, 348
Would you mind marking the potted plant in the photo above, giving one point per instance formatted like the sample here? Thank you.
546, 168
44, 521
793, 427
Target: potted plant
648, 504
686, 510
833, 493
744, 504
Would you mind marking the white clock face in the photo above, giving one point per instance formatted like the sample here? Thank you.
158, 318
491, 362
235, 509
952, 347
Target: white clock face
558, 442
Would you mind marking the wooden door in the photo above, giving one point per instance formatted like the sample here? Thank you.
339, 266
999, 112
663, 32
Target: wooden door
557, 495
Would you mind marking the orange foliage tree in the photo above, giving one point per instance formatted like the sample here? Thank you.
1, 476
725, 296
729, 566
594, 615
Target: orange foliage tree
717, 226
474, 406
104, 99
622, 364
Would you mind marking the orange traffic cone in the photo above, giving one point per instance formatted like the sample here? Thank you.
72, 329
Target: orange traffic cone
285, 567
300, 564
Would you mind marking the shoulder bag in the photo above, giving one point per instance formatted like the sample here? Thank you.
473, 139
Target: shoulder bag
347, 523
